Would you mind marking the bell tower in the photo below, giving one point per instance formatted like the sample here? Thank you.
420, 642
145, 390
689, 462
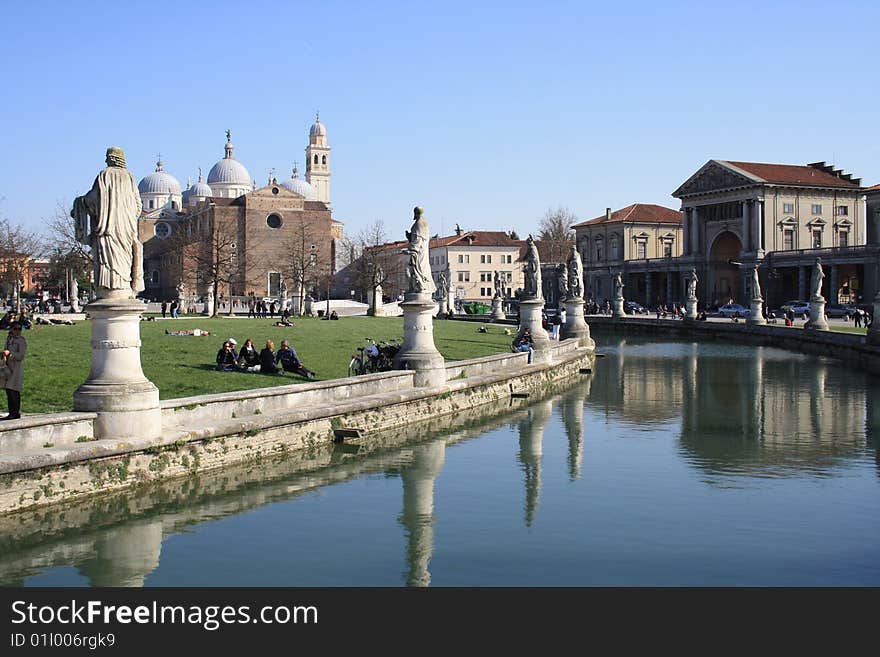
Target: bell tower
318, 161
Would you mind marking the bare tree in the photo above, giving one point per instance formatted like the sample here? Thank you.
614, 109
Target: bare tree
556, 234
18, 247
381, 261
301, 260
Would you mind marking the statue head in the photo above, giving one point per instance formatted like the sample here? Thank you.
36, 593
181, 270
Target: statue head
115, 157
417, 213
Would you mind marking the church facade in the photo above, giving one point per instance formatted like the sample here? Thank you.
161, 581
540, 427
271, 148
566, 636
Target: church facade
266, 241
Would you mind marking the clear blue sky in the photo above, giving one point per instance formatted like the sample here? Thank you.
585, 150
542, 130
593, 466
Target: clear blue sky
485, 113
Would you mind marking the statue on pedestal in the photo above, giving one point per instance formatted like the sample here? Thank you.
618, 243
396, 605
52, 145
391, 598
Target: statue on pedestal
692, 285
562, 282
532, 271
106, 219
443, 283
816, 284
181, 295
418, 269
575, 274
499, 285
756, 284
618, 286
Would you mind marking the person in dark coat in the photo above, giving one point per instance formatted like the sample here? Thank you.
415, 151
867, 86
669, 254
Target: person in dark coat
248, 358
289, 361
164, 308
267, 359
226, 358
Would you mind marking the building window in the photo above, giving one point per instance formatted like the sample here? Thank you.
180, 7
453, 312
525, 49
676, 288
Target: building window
464, 259
615, 249
162, 230
323, 159
316, 158
843, 238
641, 249
508, 259
842, 211
485, 259
788, 208
464, 277
788, 239
817, 239
151, 204
273, 221
599, 252
485, 277
816, 208
667, 249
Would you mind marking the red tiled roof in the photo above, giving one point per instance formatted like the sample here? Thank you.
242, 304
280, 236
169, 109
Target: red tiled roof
638, 213
480, 238
792, 174
875, 188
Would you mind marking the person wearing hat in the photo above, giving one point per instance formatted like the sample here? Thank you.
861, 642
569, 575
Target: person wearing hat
226, 358
16, 348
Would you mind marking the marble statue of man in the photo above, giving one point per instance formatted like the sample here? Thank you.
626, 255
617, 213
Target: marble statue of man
575, 274
418, 270
618, 286
499, 285
692, 284
106, 219
818, 276
756, 284
532, 271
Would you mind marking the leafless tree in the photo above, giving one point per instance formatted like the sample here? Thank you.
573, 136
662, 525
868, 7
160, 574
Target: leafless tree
556, 234
18, 247
381, 261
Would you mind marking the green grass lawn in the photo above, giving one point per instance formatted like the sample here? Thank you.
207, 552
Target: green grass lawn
59, 357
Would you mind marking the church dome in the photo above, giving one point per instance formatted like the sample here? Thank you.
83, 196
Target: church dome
317, 129
197, 192
229, 171
159, 182
299, 186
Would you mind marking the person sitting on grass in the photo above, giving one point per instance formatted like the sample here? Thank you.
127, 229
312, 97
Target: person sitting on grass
226, 358
523, 342
284, 323
290, 362
248, 357
267, 359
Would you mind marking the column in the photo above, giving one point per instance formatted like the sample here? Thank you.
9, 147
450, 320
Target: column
802, 283
685, 225
694, 230
861, 221
649, 297
832, 297
758, 224
747, 242
669, 276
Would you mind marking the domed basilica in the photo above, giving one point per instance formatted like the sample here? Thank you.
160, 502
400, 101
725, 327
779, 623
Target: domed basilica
251, 240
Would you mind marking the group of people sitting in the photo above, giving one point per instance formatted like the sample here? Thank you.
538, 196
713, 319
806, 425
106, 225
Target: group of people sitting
12, 317
266, 361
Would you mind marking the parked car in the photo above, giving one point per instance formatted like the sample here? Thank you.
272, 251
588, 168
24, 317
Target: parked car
799, 308
634, 308
839, 310
733, 310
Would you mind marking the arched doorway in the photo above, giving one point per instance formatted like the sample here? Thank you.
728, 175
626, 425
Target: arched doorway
726, 283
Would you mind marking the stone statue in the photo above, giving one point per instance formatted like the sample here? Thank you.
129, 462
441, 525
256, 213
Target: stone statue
499, 285
443, 282
378, 276
756, 284
562, 281
282, 289
692, 285
418, 269
618, 286
532, 271
181, 295
74, 294
818, 277
575, 274
106, 219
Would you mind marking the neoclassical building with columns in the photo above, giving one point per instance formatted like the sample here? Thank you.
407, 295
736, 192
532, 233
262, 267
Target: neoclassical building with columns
781, 217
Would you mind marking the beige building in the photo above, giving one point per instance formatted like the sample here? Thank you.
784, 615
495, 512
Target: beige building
779, 216
640, 241
473, 258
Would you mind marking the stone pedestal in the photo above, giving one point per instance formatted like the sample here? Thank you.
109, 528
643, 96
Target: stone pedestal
817, 316
530, 318
380, 307
575, 326
418, 352
126, 402
756, 316
209, 305
617, 308
690, 312
443, 308
450, 301
498, 308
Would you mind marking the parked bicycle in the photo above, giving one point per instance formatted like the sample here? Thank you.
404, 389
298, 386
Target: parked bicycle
374, 357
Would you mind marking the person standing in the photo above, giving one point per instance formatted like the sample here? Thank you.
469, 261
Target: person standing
174, 307
164, 308
16, 349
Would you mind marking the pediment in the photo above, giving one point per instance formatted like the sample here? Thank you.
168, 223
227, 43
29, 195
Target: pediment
641, 236
788, 221
713, 176
818, 221
275, 190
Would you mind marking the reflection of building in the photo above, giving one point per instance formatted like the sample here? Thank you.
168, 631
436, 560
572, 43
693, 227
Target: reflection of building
638, 240
261, 235
779, 216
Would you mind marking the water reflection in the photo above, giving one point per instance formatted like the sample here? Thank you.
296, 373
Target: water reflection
572, 404
531, 451
418, 508
755, 410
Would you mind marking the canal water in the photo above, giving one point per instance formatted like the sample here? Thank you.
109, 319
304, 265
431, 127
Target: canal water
675, 463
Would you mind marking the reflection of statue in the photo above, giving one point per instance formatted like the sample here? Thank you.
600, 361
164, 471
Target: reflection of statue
499, 285
575, 274
110, 211
756, 284
618, 286
818, 276
532, 271
418, 270
692, 285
